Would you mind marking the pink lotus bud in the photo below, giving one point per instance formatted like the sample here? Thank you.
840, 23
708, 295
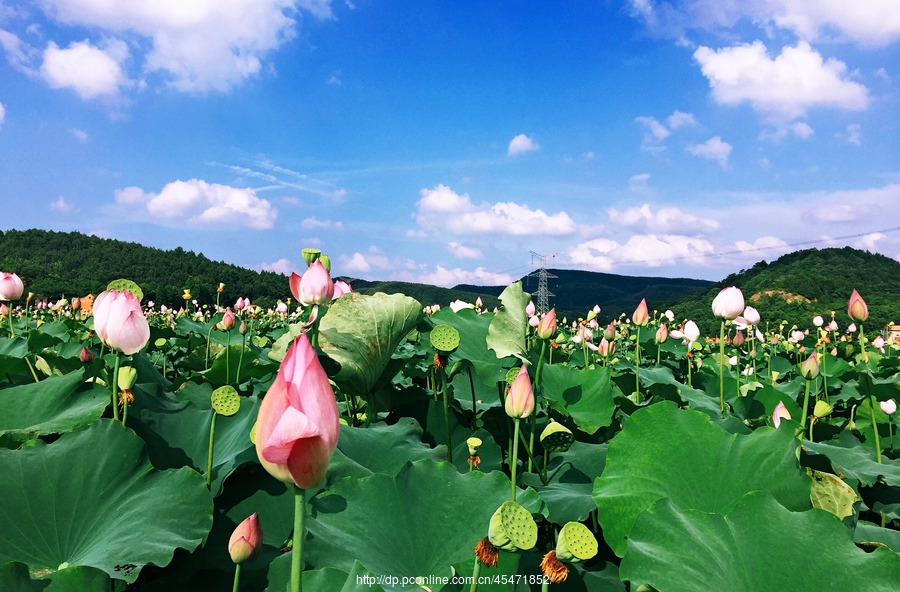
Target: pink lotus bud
670, 315
86, 356
596, 309
297, 427
533, 322
810, 368
851, 328
520, 398
281, 307
242, 328
780, 413
315, 287
797, 336
246, 541
4, 310
76, 304
478, 302
341, 287
729, 304
607, 348
529, 309
11, 287
227, 322
818, 321
641, 315
119, 321
547, 327
832, 326
751, 315
610, 332
834, 351
738, 340
732, 361
889, 406
662, 334
857, 309
239, 304
878, 342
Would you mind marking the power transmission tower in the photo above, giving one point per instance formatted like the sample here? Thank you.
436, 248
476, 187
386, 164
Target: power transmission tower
543, 294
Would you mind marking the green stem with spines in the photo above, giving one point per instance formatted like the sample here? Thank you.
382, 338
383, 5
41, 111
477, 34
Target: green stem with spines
515, 457
209, 454
115, 387
297, 545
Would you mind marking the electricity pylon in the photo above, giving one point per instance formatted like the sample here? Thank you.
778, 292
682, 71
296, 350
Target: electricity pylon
543, 294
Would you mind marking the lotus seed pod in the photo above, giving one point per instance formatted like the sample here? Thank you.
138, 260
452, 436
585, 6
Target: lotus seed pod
444, 338
556, 437
226, 400
473, 443
576, 543
310, 256
127, 377
512, 528
823, 409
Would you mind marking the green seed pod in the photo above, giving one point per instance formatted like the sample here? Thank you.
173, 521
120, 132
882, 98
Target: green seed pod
473, 443
556, 437
512, 528
444, 338
310, 256
576, 543
325, 260
127, 377
226, 401
123, 284
823, 409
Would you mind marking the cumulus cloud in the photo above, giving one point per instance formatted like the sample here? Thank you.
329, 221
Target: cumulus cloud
443, 209
2, 114
781, 89
312, 223
520, 145
441, 276
713, 149
664, 220
198, 203
655, 132
81, 135
763, 243
652, 250
90, 71
853, 134
197, 46
463, 252
870, 23
61, 206
376, 260
680, 119
869, 241
282, 266
851, 205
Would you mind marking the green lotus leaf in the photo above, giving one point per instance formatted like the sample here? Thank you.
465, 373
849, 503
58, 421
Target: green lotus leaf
473, 329
506, 334
666, 452
848, 456
55, 405
329, 578
571, 474
92, 499
362, 332
418, 523
587, 396
15, 577
752, 547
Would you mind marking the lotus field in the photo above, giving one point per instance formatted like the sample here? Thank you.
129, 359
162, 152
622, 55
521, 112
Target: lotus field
344, 442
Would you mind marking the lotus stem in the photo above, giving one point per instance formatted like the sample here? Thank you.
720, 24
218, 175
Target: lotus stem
9, 315
875, 429
227, 359
237, 378
297, 547
805, 407
208, 335
515, 457
237, 577
115, 387
637, 364
722, 368
209, 454
446, 414
476, 571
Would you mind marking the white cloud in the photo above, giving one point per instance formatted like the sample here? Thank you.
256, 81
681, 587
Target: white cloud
2, 113
520, 145
61, 206
20, 55
443, 209
282, 266
81, 135
853, 134
664, 220
869, 241
312, 223
654, 128
655, 132
463, 252
198, 203
649, 249
763, 243
90, 71
374, 259
638, 183
853, 205
199, 45
680, 119
441, 276
712, 149
780, 89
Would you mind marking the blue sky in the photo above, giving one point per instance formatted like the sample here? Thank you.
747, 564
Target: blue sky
443, 142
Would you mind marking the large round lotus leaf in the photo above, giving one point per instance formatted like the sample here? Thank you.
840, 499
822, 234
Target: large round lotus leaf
506, 335
57, 404
587, 396
570, 481
15, 577
419, 523
473, 329
666, 452
444, 338
123, 284
329, 578
755, 546
361, 334
92, 498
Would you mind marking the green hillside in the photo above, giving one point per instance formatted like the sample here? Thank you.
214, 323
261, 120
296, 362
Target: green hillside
803, 284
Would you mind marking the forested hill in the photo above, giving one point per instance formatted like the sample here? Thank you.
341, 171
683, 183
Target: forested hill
56, 264
800, 285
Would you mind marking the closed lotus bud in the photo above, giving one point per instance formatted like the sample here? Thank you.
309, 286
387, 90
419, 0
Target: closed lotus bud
11, 287
810, 368
889, 406
547, 327
533, 322
691, 331
315, 287
823, 409
857, 309
751, 315
780, 413
641, 315
520, 399
242, 329
246, 541
227, 322
662, 334
738, 340
76, 303
530, 309
610, 332
86, 356
729, 304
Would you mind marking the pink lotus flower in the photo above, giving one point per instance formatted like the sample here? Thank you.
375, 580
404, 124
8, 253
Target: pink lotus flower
341, 287
11, 287
889, 406
315, 287
530, 309
119, 321
729, 304
857, 309
691, 331
297, 427
520, 398
810, 368
547, 327
227, 322
662, 334
738, 340
534, 321
641, 315
246, 541
607, 348
818, 321
780, 413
